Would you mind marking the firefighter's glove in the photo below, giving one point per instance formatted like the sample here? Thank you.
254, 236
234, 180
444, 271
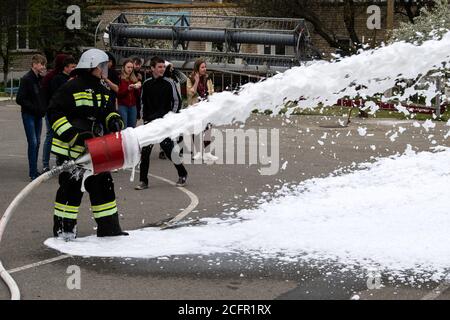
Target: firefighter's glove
115, 124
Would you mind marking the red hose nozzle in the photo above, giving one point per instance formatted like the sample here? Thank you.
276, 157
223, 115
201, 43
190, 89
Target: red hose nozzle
106, 152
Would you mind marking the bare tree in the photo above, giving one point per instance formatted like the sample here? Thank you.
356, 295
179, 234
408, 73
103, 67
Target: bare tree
412, 8
349, 20
305, 9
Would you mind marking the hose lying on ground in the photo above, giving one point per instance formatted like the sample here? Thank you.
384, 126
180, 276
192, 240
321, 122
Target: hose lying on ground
6, 277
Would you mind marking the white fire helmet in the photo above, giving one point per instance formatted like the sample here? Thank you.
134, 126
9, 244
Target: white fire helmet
94, 58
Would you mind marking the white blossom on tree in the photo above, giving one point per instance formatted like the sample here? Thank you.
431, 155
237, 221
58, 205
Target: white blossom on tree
430, 24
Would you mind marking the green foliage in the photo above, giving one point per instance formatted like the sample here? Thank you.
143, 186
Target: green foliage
7, 34
48, 30
430, 24
338, 111
6, 30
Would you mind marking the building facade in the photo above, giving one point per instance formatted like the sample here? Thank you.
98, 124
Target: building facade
330, 12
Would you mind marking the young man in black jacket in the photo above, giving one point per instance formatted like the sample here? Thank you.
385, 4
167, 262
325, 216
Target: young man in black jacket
159, 96
61, 78
32, 102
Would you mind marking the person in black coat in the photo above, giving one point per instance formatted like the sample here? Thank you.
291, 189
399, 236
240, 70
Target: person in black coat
159, 96
61, 78
33, 107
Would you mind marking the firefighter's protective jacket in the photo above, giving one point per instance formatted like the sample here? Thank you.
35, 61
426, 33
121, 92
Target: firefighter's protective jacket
81, 108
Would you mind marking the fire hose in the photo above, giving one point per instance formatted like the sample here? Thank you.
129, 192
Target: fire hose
104, 154
6, 277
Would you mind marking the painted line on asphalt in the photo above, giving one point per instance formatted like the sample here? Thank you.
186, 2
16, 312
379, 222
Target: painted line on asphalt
185, 212
39, 263
191, 195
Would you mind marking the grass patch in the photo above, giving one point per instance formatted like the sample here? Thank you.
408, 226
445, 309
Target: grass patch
339, 111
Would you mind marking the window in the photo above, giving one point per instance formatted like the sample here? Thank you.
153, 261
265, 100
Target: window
217, 47
343, 42
280, 50
20, 38
277, 49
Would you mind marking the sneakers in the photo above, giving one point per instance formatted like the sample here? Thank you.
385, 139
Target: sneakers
209, 157
34, 177
181, 181
141, 186
197, 156
45, 169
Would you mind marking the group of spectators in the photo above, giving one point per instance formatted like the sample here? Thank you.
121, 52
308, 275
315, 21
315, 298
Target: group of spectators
136, 94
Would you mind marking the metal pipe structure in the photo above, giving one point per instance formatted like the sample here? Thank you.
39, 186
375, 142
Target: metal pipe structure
96, 31
252, 63
169, 36
234, 36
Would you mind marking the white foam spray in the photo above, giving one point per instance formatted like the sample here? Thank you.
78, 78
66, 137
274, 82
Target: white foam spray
365, 74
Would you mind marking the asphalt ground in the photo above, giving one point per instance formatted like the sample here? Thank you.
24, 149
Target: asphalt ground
218, 188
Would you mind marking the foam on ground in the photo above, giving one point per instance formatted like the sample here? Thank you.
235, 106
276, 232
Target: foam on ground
392, 214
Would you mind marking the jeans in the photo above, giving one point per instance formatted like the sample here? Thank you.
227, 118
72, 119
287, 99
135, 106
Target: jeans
33, 128
47, 145
128, 115
167, 145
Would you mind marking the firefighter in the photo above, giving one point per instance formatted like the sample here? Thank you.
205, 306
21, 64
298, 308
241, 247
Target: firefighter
81, 109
